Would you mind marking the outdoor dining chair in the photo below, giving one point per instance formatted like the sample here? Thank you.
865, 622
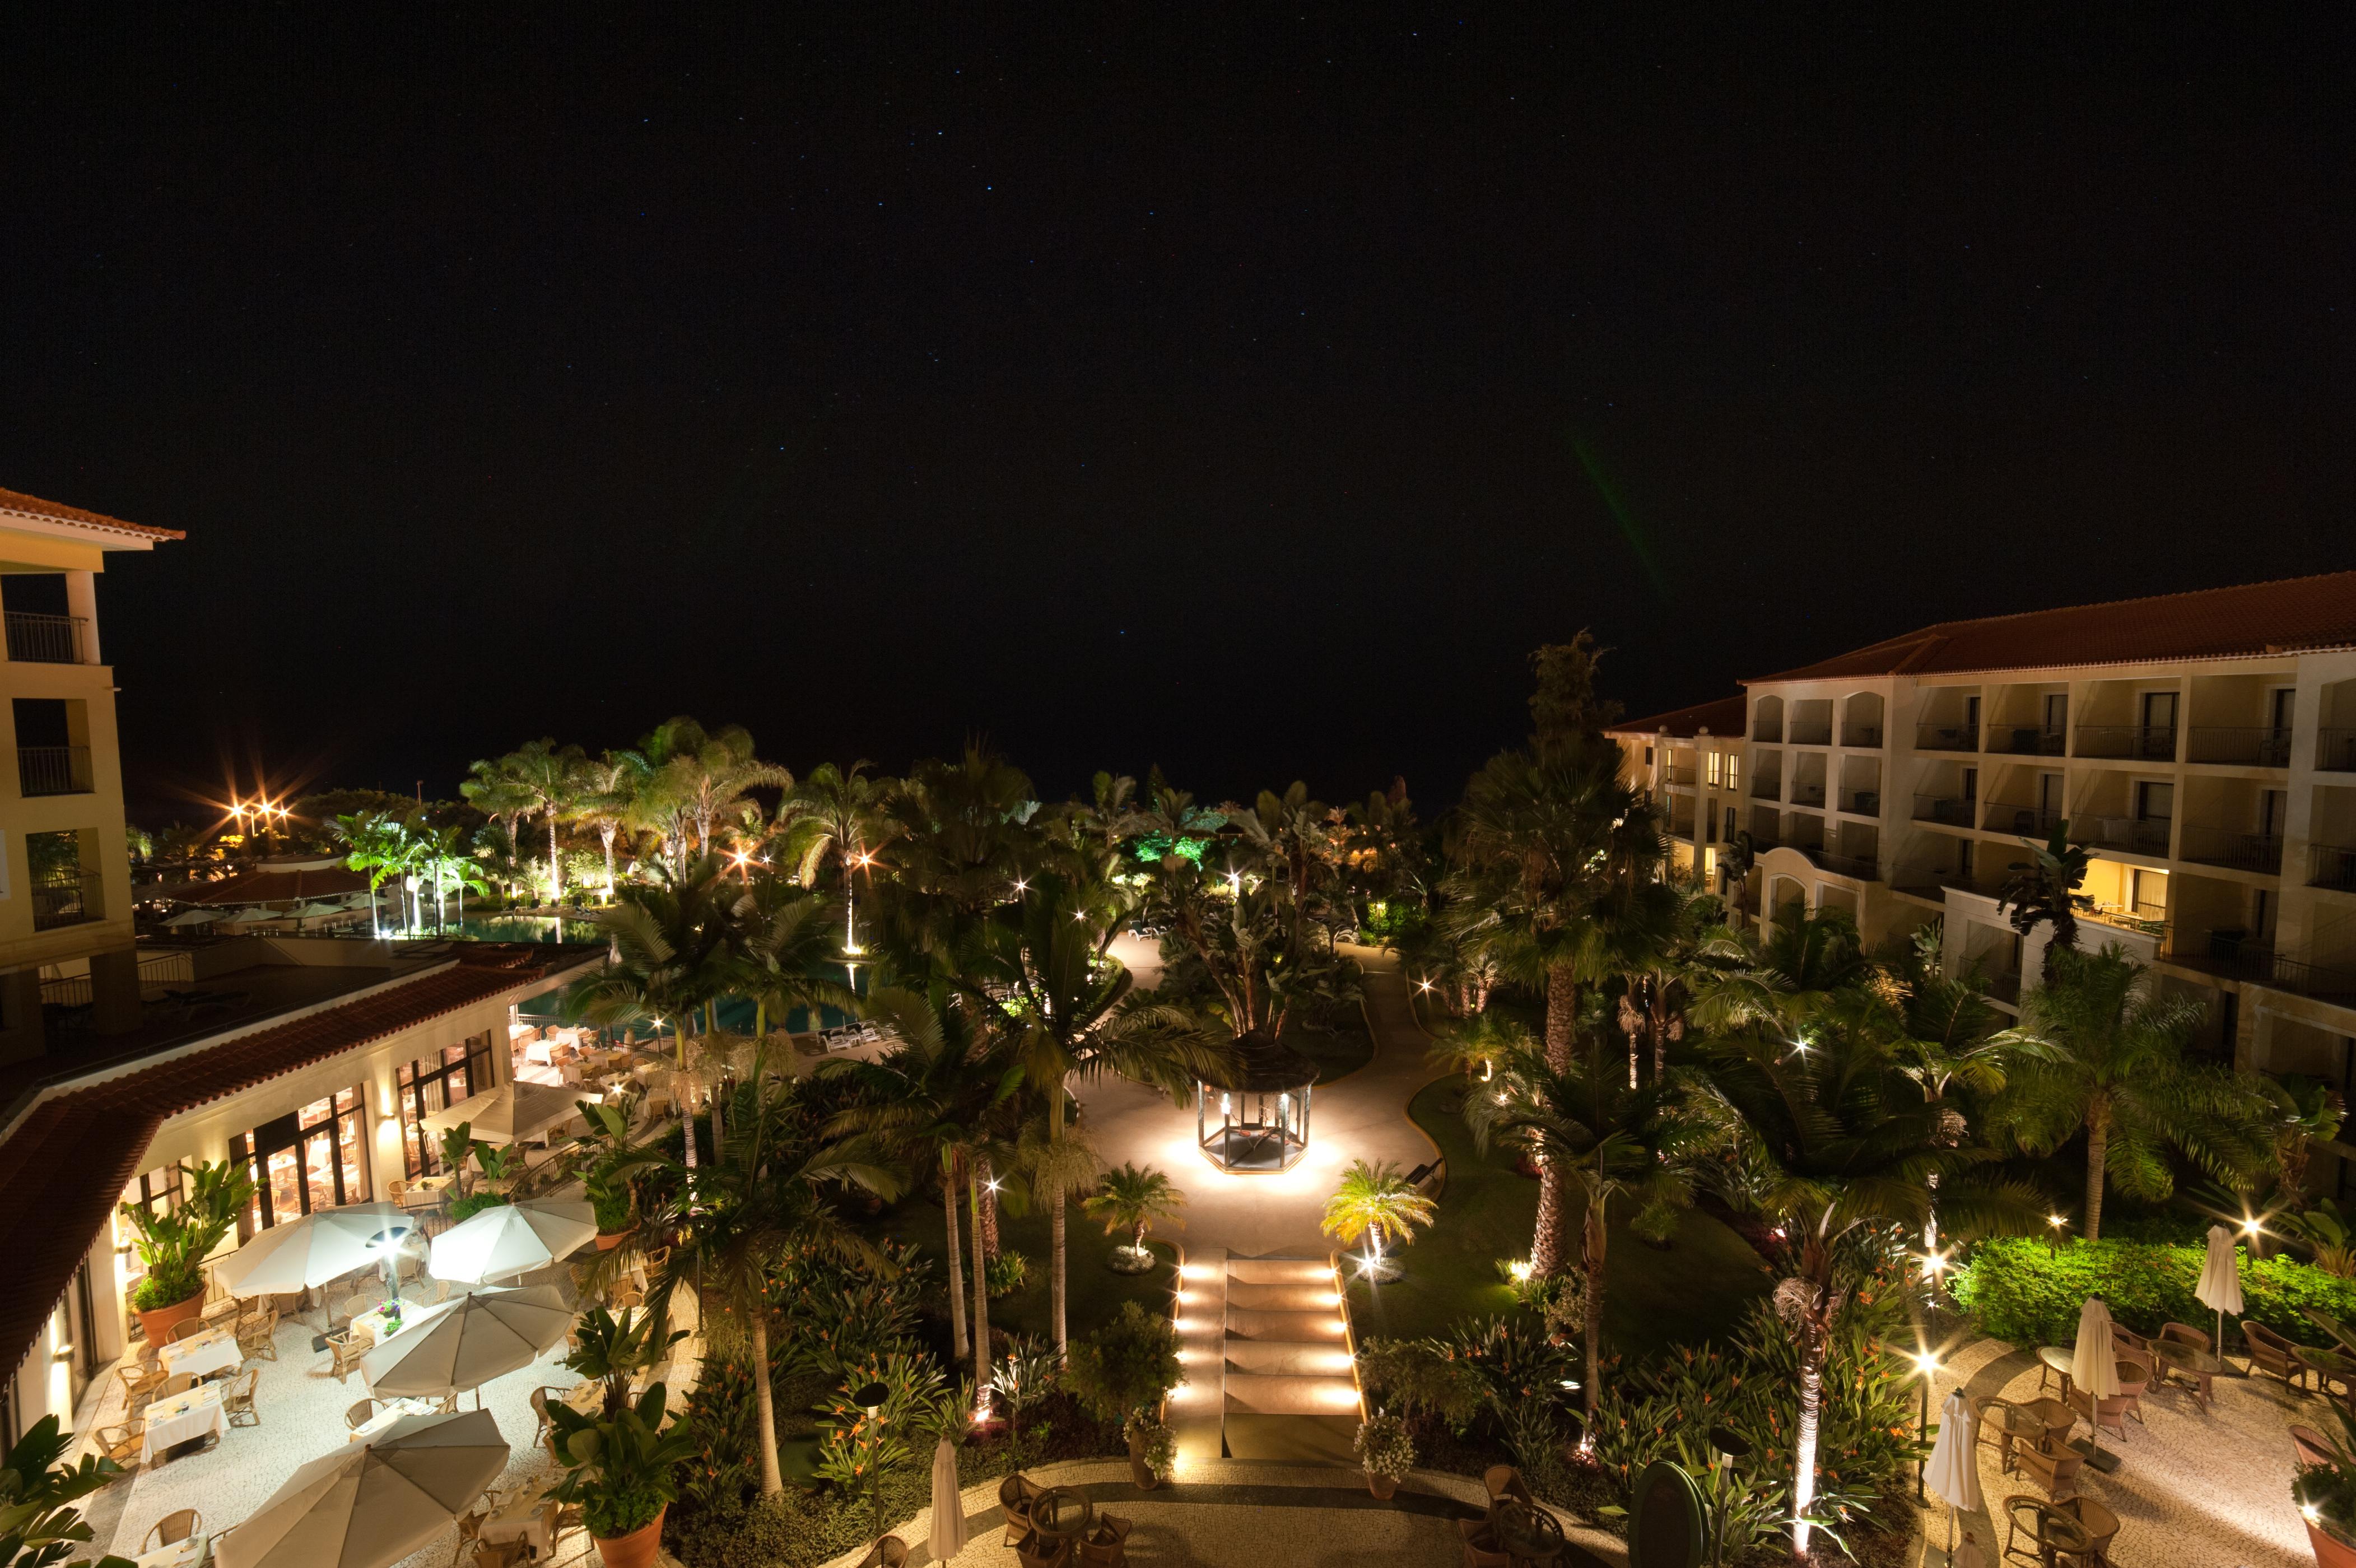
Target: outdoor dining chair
1481, 1547
1033, 1551
2272, 1354
178, 1383
1014, 1495
140, 1379
2052, 1466
360, 1416
2050, 1530
173, 1529
2309, 1445
236, 1398
2185, 1333
349, 1350
122, 1444
2099, 1523
1504, 1481
187, 1330
889, 1552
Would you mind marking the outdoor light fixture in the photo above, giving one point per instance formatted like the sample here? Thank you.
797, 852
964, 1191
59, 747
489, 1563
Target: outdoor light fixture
871, 1398
2055, 1220
2250, 1227
1519, 1268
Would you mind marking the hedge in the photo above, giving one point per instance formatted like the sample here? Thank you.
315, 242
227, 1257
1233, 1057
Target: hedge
2023, 1291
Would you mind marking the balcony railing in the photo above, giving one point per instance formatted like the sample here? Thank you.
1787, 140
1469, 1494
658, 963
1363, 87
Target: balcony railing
2149, 837
1928, 882
64, 899
1842, 865
2247, 746
45, 640
2005, 987
1861, 802
2027, 740
2223, 846
1683, 776
1769, 789
2236, 956
1805, 732
2331, 865
1946, 737
2335, 750
1808, 794
1864, 737
1947, 809
2142, 743
2029, 822
1768, 732
53, 769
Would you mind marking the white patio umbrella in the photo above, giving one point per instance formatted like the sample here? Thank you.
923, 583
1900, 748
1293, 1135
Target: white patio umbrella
323, 1245
509, 1113
1953, 1473
315, 910
197, 917
949, 1511
369, 1504
2221, 1280
511, 1238
2094, 1366
248, 917
483, 1335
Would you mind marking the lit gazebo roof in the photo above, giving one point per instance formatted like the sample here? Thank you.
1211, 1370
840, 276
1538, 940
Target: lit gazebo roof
1262, 1097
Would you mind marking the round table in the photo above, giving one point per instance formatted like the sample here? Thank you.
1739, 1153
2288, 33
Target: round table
2056, 1359
2329, 1366
2189, 1360
1062, 1513
2017, 1423
1528, 1534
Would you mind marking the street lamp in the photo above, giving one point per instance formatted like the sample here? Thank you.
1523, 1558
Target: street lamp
1926, 1362
871, 1400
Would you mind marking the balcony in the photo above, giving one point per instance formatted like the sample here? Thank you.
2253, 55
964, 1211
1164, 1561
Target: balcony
1862, 737
2331, 865
2238, 851
1946, 809
1861, 802
2243, 746
64, 899
2027, 740
2029, 822
2335, 751
1928, 882
1841, 865
45, 640
1807, 732
1807, 795
1766, 788
1768, 732
2235, 955
2126, 834
1946, 737
2139, 743
2004, 988
1678, 777
53, 769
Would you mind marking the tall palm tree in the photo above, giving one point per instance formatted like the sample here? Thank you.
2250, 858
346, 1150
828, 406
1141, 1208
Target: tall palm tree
1612, 1140
1132, 1197
1376, 1201
713, 771
381, 845
2104, 1054
548, 777
838, 812
608, 799
494, 791
758, 1203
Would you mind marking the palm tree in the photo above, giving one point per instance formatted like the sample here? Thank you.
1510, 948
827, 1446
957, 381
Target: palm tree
548, 777
608, 799
837, 811
381, 846
1132, 1197
2044, 886
712, 771
495, 792
2106, 1054
1611, 1141
758, 1203
1374, 1201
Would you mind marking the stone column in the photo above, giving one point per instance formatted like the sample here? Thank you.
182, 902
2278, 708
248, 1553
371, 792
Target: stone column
114, 991
81, 603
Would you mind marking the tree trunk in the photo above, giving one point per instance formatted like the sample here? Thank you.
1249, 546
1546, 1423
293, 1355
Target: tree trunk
607, 834
1059, 1269
555, 868
1597, 1236
719, 1121
981, 1298
957, 1262
2098, 1144
1546, 1243
1813, 1328
773, 1477
987, 1247
1561, 1015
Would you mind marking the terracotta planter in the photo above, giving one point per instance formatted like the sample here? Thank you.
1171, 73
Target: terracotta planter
2330, 1551
158, 1325
1139, 1472
636, 1550
606, 1244
1382, 1487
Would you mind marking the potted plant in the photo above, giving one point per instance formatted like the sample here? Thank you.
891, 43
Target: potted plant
1152, 1449
1129, 1200
613, 1349
2325, 1494
623, 1471
1386, 1451
173, 1246
603, 1183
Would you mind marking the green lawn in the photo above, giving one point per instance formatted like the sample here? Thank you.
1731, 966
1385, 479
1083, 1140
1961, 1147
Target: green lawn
1096, 1292
1695, 1290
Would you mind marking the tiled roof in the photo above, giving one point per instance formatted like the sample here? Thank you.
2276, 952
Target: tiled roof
1723, 717
279, 887
58, 512
66, 1161
2248, 621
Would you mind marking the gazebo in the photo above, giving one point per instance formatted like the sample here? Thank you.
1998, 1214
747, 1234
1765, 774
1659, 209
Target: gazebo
1252, 1118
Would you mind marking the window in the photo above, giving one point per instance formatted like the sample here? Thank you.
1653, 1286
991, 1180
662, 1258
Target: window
2148, 890
307, 1160
436, 1083
1728, 835
2155, 802
1733, 771
64, 893
1714, 766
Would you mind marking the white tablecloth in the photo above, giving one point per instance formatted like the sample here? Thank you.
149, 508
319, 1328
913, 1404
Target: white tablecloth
394, 1411
373, 1323
184, 1554
539, 1052
526, 1520
181, 1418
213, 1352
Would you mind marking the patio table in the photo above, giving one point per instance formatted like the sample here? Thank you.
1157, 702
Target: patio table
216, 1350
2018, 1424
1528, 1534
2190, 1362
183, 1418
185, 1554
394, 1411
540, 1052
587, 1397
2329, 1366
530, 1520
1062, 1513
2057, 1359
379, 1327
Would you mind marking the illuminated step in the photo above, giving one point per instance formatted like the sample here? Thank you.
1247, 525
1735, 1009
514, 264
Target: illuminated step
1280, 1270
1320, 1297
1321, 1326
1261, 1394
1289, 1358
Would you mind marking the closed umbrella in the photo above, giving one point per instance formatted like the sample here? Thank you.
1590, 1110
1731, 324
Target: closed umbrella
509, 1113
511, 1238
2095, 1367
323, 1245
2221, 1280
1953, 1473
483, 1335
369, 1504
948, 1508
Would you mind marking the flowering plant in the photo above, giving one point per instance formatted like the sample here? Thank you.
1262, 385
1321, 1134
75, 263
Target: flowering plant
1157, 1444
1384, 1448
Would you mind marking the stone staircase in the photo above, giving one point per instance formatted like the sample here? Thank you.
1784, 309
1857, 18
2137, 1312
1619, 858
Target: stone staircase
1284, 1360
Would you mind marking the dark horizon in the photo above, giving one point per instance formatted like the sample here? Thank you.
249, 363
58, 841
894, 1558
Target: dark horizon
1245, 394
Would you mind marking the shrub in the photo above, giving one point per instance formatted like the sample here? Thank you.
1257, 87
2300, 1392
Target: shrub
829, 1314
474, 1203
2026, 1291
1006, 1272
1125, 1366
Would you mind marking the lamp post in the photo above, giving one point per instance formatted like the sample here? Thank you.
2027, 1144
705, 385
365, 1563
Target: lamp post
1926, 1362
871, 1400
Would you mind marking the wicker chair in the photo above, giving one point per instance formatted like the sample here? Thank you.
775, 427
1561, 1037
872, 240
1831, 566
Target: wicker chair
2272, 1354
188, 1329
889, 1552
360, 1416
1033, 1551
349, 1350
2135, 1377
257, 1334
140, 1379
1504, 1481
2053, 1467
2126, 1339
1481, 1548
173, 1529
1014, 1495
236, 1398
2184, 1333
2050, 1530
122, 1444
178, 1383
2099, 1523
2309, 1445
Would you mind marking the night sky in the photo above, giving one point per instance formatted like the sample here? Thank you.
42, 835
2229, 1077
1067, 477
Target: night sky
1246, 395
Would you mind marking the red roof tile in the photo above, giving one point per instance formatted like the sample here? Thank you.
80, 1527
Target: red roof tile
280, 886
32, 506
2248, 621
1723, 717
64, 1163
